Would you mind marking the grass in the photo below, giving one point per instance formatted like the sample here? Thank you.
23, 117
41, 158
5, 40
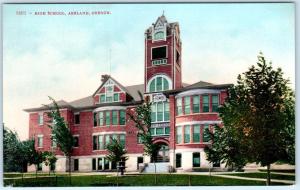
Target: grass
264, 176
12, 175
134, 180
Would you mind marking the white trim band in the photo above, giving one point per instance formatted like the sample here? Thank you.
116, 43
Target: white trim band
106, 108
109, 133
197, 92
198, 122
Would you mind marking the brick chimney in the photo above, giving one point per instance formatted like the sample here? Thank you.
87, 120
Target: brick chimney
104, 77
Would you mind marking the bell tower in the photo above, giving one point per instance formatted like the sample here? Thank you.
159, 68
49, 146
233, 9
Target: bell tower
162, 56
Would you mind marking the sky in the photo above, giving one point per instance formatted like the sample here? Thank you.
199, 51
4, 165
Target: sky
64, 56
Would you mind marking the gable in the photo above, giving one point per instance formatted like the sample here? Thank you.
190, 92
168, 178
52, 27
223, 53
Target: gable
109, 91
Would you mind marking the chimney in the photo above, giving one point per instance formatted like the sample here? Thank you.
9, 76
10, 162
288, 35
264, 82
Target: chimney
104, 77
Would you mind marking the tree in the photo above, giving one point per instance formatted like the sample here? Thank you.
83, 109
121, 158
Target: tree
226, 148
61, 132
10, 151
49, 159
116, 153
141, 116
260, 108
35, 157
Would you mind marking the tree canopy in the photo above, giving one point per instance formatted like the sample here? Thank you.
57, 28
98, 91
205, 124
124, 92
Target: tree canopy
260, 114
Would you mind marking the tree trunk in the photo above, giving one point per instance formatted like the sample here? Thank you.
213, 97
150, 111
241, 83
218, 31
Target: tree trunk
70, 169
268, 175
36, 169
155, 171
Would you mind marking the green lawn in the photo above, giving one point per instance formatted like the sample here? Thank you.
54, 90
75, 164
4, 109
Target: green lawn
11, 175
133, 180
264, 175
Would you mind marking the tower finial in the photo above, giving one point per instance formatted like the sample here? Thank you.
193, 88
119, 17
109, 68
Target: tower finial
163, 13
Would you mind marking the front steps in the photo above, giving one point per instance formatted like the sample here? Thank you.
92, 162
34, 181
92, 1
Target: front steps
161, 167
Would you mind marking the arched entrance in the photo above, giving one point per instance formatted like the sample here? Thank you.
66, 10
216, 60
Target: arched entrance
163, 153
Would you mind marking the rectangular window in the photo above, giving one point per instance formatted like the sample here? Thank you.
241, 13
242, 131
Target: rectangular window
187, 134
115, 136
179, 106
40, 167
152, 131
106, 164
115, 117
100, 161
159, 52
101, 118
40, 119
205, 104
122, 140
187, 105
53, 142
100, 142
40, 141
159, 84
107, 140
95, 120
167, 111
76, 164
178, 160
77, 118
107, 118
215, 103
76, 141
139, 139
196, 134
167, 130
196, 159
95, 146
108, 98
179, 135
102, 98
216, 164
206, 135
94, 163
116, 97
159, 131
196, 104
122, 117
160, 112
153, 112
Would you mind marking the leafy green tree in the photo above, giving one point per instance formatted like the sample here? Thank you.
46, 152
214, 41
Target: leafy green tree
35, 157
116, 154
260, 108
49, 159
141, 116
10, 151
227, 148
60, 130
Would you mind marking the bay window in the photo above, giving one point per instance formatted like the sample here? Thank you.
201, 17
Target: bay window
205, 104
179, 135
196, 104
179, 106
196, 134
215, 103
187, 105
187, 133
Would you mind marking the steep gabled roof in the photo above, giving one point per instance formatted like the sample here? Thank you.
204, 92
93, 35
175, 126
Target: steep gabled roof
114, 80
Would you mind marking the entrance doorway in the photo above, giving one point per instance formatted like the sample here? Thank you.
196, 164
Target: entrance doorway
163, 153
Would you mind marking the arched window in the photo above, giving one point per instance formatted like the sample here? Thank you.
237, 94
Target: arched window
159, 83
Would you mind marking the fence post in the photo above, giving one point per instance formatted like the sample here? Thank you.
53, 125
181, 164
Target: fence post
56, 180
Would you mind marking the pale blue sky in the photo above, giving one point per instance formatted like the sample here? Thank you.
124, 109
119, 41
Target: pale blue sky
64, 56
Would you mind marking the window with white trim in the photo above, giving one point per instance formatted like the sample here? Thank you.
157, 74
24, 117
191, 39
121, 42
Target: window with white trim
40, 119
159, 83
160, 112
40, 141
